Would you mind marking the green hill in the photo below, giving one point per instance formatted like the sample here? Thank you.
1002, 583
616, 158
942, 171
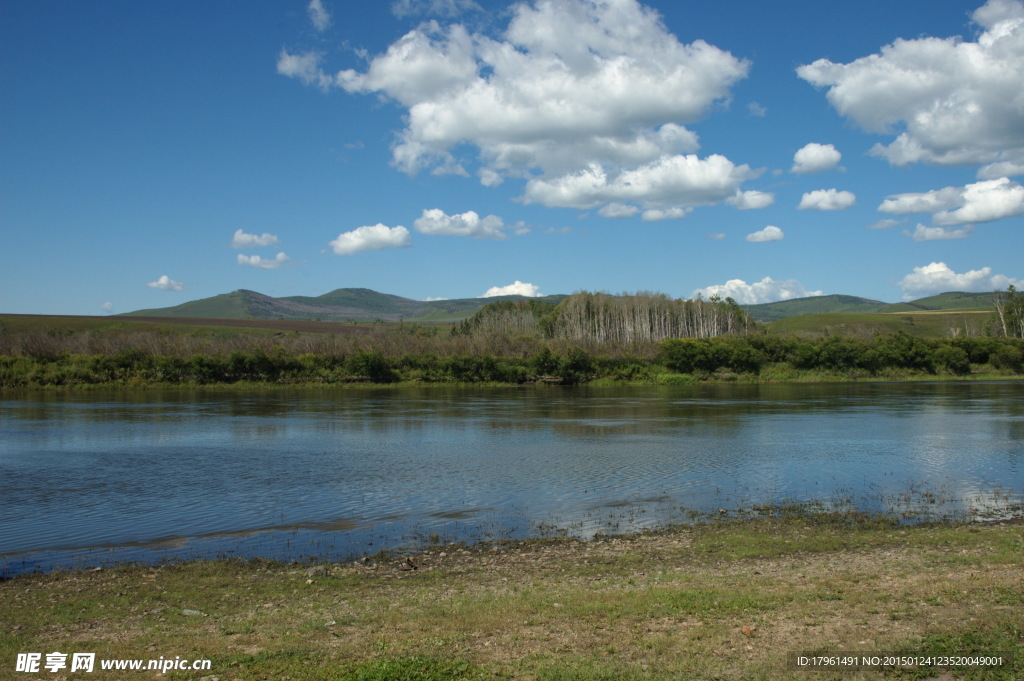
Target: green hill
834, 304
955, 300
340, 305
770, 312
236, 305
361, 304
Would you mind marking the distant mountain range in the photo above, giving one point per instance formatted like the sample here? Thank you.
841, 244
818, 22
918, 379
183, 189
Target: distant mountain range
340, 305
957, 300
361, 304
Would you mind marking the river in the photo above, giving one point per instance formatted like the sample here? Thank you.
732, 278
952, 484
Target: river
93, 478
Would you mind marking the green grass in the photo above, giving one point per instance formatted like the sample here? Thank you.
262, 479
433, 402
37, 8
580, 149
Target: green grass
725, 599
916, 323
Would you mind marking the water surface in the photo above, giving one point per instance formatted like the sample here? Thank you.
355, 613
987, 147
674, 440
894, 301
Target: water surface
93, 477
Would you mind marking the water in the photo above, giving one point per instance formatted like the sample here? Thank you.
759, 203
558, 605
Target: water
93, 478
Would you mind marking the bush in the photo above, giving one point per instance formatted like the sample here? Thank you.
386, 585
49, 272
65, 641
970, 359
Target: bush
369, 366
1008, 358
952, 359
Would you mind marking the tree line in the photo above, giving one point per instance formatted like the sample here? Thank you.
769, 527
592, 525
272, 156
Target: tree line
603, 318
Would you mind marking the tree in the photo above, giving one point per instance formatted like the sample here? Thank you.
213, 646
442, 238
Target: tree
1009, 308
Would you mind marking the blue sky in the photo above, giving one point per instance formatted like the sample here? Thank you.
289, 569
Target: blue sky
155, 153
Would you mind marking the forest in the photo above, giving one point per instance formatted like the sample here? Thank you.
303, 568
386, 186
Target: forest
587, 338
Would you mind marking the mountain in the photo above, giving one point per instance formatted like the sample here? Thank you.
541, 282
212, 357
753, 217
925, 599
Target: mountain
770, 312
955, 300
340, 305
361, 304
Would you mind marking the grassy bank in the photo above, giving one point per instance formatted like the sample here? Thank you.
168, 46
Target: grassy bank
729, 600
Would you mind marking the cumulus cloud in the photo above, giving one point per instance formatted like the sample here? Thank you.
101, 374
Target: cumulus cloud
320, 17
937, 277
618, 210
815, 158
107, 307
922, 233
165, 283
243, 240
305, 67
983, 201
994, 171
769, 233
659, 214
519, 288
441, 8
751, 200
827, 199
668, 182
952, 101
435, 221
765, 291
886, 223
371, 238
572, 92
280, 260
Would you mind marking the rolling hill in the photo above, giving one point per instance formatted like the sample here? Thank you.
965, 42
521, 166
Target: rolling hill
956, 300
340, 305
360, 304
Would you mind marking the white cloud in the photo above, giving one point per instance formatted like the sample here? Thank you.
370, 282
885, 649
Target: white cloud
517, 289
952, 101
264, 263
765, 291
305, 67
442, 8
769, 233
886, 223
937, 277
243, 240
165, 283
320, 17
672, 181
371, 238
983, 201
922, 233
994, 171
570, 88
827, 199
658, 214
756, 109
815, 158
434, 221
107, 307
717, 236
618, 210
432, 299
751, 200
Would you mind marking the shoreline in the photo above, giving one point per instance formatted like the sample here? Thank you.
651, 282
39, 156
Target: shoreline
725, 599
671, 380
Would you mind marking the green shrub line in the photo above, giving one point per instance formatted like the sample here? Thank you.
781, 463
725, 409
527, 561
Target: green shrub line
751, 358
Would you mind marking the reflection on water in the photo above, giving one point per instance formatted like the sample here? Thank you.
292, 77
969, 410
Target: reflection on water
92, 477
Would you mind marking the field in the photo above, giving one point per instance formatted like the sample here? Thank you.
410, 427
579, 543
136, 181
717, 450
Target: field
928, 324
722, 600
172, 325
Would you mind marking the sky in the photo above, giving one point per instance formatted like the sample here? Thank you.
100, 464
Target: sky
153, 153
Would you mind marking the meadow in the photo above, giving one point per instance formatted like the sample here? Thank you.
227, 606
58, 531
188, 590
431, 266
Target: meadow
46, 352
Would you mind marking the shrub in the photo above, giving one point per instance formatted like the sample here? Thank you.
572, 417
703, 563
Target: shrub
952, 359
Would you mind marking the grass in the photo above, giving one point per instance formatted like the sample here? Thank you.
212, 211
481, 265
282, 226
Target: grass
921, 324
729, 599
